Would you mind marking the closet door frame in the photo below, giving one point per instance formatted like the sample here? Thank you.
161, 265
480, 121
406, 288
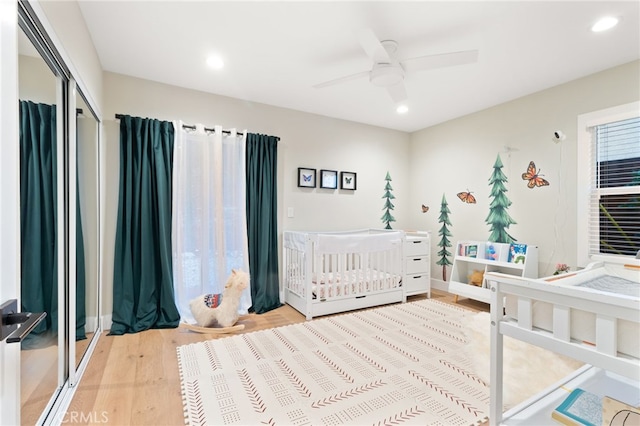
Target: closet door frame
9, 215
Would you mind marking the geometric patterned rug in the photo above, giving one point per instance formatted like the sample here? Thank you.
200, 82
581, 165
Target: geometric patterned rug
393, 365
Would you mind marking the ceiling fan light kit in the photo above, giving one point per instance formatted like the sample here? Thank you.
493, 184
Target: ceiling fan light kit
385, 75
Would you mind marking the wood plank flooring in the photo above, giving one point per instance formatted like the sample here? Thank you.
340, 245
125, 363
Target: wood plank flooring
134, 380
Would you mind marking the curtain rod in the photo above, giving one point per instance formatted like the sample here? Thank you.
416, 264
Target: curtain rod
192, 127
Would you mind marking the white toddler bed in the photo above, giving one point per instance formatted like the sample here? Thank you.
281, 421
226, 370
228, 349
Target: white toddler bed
326, 273
592, 315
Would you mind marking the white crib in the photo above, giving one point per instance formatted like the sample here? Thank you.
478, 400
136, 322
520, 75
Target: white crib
331, 272
592, 315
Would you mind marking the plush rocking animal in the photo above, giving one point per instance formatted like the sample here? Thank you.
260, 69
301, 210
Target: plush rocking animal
215, 310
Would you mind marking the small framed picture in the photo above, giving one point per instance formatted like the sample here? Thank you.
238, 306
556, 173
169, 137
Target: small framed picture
328, 179
306, 177
347, 180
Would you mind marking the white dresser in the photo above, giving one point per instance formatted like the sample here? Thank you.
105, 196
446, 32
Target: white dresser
417, 264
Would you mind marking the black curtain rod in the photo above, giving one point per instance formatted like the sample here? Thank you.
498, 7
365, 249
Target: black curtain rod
191, 127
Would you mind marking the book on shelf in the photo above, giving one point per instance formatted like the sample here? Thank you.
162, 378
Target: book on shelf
580, 408
517, 253
468, 250
491, 251
498, 252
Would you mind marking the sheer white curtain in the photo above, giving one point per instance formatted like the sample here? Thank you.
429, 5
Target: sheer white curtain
209, 232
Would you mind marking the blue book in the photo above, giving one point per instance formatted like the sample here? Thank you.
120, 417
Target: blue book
580, 408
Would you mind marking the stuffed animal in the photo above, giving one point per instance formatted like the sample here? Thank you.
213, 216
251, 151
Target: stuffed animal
476, 278
221, 309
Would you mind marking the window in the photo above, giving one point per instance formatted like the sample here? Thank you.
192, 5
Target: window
609, 180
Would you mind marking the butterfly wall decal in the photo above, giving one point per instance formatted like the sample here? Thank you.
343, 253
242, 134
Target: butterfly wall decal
425, 208
466, 197
534, 176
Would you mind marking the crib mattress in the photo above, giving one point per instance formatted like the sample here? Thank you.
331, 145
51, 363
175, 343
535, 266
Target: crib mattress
352, 282
613, 284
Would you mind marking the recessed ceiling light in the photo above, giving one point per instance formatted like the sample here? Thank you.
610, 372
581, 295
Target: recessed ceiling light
402, 109
215, 62
604, 24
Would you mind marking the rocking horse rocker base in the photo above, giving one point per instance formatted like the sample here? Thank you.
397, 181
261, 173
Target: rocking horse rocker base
218, 314
213, 330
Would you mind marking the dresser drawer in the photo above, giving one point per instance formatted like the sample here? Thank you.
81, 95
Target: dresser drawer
416, 264
416, 245
417, 284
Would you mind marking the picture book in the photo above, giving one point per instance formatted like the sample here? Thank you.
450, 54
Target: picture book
517, 253
491, 251
580, 408
468, 250
471, 250
615, 412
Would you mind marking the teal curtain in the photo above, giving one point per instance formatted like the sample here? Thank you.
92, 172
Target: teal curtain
143, 280
38, 218
262, 221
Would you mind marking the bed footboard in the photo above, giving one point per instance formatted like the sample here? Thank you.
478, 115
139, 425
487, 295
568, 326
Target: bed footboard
607, 309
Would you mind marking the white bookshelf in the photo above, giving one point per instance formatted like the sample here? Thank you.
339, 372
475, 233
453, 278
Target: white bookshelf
463, 266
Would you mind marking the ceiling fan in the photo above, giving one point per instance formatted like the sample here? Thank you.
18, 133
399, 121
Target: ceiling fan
389, 72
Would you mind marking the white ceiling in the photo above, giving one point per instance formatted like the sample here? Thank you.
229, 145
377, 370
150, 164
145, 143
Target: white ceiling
276, 51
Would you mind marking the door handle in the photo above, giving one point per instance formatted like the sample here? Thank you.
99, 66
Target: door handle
16, 325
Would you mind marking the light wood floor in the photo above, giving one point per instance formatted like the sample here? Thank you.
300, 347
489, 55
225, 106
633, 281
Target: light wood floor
133, 379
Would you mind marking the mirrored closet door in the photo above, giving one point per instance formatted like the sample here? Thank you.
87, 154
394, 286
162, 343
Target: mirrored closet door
59, 189
43, 350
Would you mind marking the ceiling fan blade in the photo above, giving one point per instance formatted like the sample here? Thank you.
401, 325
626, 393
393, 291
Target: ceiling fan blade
341, 79
439, 61
397, 92
370, 43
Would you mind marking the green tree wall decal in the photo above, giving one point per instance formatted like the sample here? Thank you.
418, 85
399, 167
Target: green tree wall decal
498, 218
387, 218
445, 234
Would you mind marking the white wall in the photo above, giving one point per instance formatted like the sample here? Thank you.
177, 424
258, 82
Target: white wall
306, 140
65, 24
459, 155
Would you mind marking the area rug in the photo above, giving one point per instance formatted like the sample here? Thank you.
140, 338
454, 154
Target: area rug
399, 364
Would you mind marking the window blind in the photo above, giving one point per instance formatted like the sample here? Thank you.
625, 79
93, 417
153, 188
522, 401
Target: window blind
614, 211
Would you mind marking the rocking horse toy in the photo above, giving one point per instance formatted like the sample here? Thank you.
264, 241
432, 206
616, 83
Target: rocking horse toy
218, 313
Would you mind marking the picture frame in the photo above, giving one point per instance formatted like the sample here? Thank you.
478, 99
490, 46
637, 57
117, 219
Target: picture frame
306, 177
348, 180
328, 179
